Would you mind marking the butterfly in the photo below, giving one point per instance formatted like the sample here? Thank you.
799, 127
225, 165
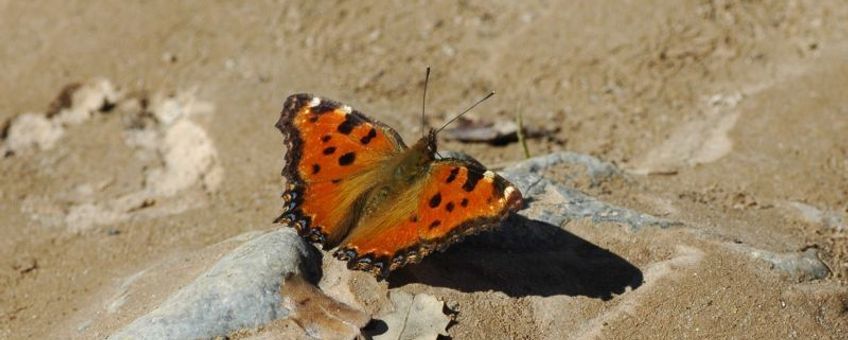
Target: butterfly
352, 184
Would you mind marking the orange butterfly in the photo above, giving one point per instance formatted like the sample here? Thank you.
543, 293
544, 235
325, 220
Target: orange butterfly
354, 184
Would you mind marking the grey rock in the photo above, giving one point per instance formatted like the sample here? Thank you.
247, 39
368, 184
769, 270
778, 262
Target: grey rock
571, 204
578, 205
596, 169
241, 290
802, 266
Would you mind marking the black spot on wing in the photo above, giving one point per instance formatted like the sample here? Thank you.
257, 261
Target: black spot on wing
471, 181
315, 168
435, 223
464, 202
347, 159
326, 138
329, 150
452, 176
435, 200
449, 207
351, 121
367, 138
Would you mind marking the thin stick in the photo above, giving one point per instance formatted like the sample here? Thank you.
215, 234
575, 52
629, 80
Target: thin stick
521, 137
424, 102
466, 110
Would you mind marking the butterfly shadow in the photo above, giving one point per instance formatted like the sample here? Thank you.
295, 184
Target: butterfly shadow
525, 257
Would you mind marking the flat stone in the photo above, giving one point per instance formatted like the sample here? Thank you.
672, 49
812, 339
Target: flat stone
557, 204
242, 290
798, 266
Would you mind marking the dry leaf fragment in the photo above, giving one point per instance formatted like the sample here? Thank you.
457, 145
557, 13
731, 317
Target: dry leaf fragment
414, 317
498, 132
318, 314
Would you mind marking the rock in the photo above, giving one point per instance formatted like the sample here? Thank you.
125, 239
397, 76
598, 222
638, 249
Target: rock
596, 169
188, 154
241, 290
77, 103
557, 204
799, 267
158, 126
168, 109
31, 131
74, 105
577, 205
25, 264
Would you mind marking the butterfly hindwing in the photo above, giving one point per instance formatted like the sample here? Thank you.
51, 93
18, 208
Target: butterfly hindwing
457, 198
329, 144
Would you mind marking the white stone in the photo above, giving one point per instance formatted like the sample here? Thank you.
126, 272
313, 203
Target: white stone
32, 131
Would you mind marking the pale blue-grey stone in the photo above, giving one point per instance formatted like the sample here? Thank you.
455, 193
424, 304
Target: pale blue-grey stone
241, 290
798, 266
572, 204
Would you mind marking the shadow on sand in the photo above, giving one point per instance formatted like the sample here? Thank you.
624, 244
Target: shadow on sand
525, 257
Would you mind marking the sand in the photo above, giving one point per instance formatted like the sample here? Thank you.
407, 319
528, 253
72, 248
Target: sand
726, 117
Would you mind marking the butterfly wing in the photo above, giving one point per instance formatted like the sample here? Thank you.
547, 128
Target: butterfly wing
330, 145
456, 199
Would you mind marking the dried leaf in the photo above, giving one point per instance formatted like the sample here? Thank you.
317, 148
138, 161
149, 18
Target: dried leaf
414, 317
318, 314
498, 132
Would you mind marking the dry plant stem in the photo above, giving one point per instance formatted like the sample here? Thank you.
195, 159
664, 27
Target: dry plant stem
520, 122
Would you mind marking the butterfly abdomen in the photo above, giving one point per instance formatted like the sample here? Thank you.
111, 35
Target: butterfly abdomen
399, 178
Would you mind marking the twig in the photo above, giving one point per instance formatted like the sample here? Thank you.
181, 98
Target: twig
520, 121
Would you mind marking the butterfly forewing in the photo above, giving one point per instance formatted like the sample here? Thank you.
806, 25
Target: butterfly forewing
329, 144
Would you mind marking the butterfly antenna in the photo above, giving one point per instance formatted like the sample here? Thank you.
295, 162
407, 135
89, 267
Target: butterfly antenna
424, 102
466, 110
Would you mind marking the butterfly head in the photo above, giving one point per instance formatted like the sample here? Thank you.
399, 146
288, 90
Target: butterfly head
426, 146
417, 159
430, 141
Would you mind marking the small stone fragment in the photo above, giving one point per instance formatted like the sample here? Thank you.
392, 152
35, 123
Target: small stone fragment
31, 131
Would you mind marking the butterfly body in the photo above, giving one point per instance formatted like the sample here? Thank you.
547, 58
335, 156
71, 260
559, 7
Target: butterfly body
354, 184
404, 170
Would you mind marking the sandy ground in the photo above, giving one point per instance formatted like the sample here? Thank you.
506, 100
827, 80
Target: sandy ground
727, 116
